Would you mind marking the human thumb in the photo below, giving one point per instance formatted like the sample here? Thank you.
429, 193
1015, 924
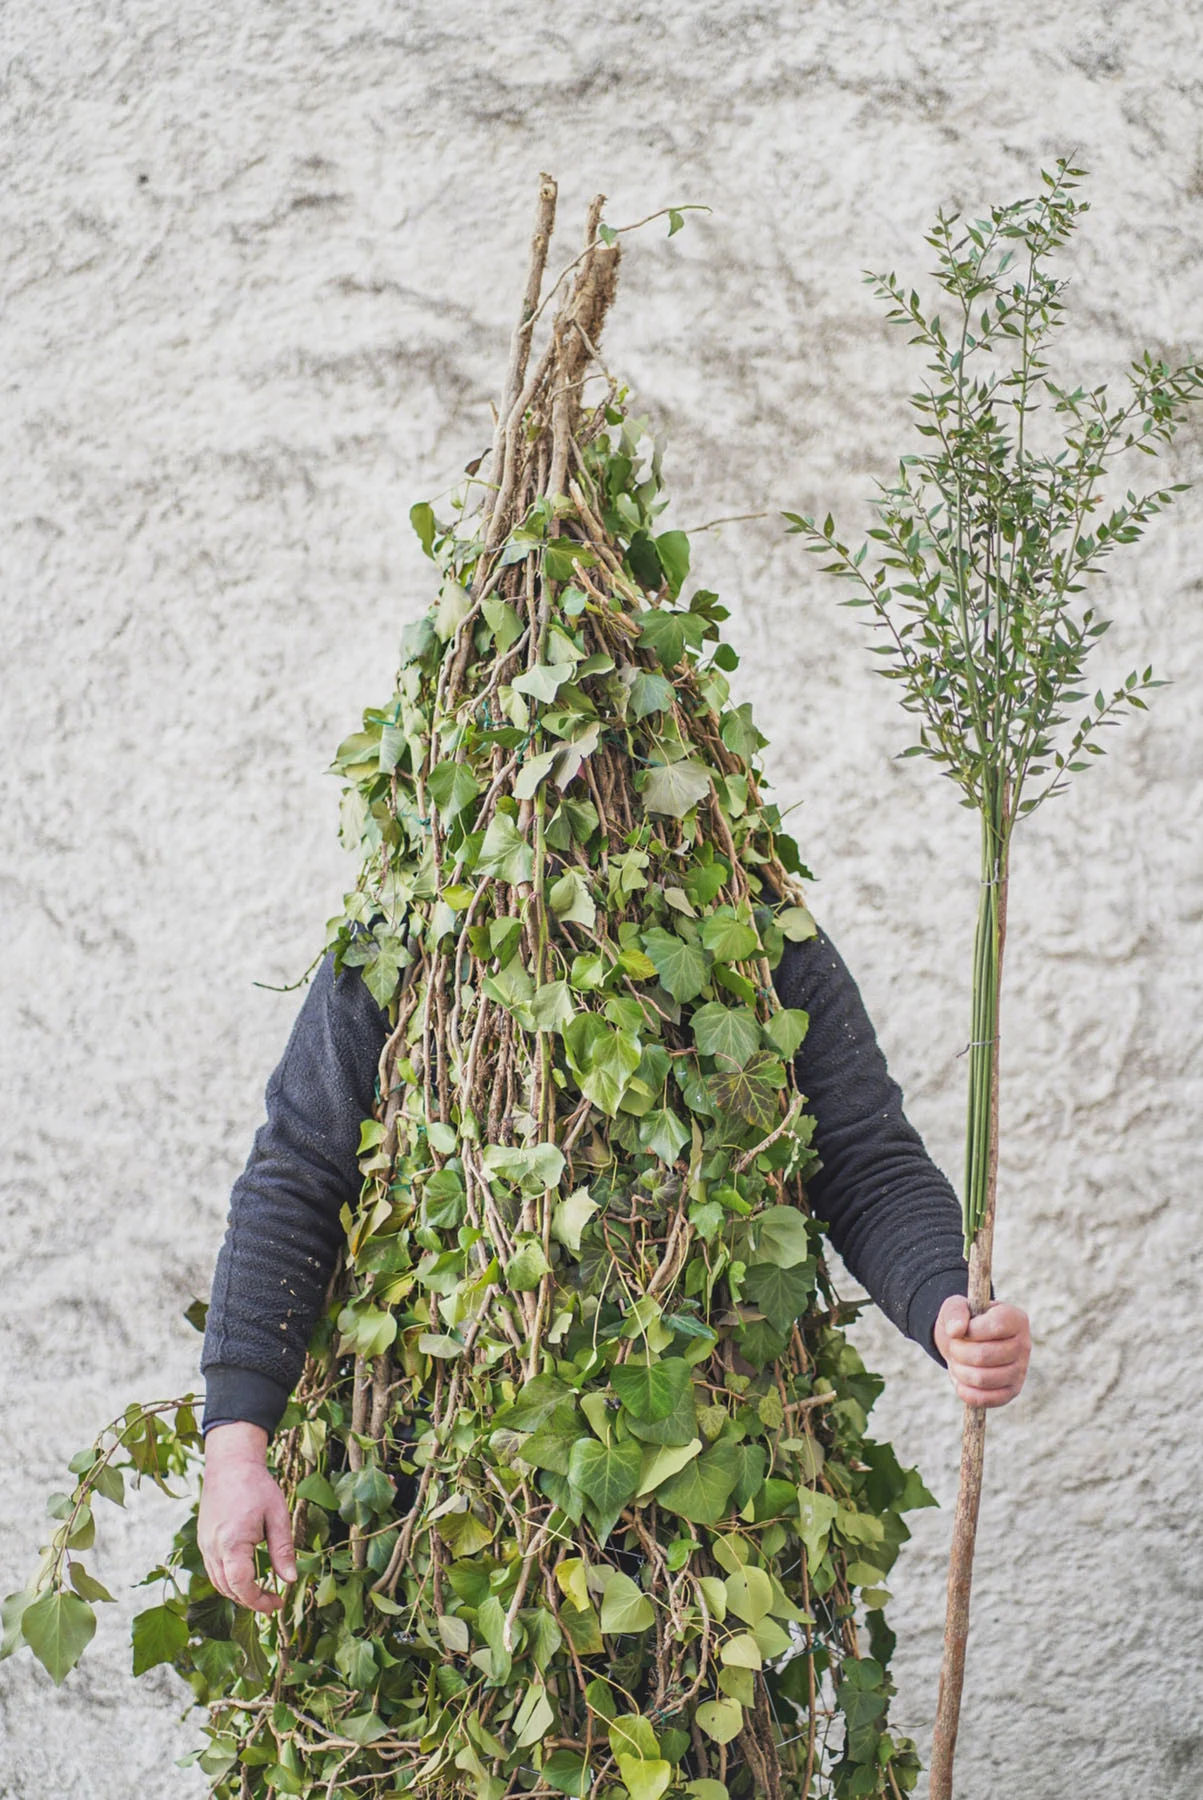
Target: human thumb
955, 1316
279, 1538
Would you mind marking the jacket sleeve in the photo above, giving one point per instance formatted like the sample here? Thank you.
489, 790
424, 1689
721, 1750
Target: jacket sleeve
889, 1211
283, 1232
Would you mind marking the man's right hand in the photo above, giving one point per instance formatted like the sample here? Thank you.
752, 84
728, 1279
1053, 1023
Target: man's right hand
241, 1506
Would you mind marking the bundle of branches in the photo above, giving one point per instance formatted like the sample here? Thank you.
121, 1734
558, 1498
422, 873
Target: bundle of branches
584, 1500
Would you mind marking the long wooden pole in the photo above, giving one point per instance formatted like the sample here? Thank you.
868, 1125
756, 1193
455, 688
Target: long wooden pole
973, 1430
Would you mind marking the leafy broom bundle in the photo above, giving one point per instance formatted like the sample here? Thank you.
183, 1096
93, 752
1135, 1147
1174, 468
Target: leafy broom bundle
583, 1498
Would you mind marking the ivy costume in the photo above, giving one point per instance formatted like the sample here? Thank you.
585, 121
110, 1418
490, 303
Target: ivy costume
890, 1212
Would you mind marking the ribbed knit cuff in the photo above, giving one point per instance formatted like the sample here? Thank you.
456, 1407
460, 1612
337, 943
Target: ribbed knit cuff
247, 1394
926, 1301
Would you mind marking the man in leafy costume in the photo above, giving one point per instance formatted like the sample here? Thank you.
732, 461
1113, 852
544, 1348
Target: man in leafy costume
522, 1292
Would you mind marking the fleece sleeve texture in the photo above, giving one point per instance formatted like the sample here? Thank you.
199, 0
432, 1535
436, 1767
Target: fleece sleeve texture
891, 1214
889, 1211
283, 1233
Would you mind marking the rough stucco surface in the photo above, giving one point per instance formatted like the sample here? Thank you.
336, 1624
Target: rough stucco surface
259, 270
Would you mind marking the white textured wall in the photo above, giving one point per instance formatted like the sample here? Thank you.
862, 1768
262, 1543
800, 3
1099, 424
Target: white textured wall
259, 265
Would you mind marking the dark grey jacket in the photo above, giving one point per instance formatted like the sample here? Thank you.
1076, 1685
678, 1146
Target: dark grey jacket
890, 1212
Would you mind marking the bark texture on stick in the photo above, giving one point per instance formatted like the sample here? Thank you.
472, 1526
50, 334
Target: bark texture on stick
973, 1448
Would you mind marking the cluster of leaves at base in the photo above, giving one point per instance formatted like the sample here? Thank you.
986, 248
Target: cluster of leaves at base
572, 1581
54, 1614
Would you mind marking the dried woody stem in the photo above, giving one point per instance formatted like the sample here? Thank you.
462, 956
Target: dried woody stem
973, 1444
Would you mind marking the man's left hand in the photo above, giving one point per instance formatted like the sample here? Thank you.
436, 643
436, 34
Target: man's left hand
987, 1356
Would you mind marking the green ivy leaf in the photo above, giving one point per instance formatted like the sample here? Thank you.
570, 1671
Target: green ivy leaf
727, 938
504, 623
760, 1343
588, 972
796, 924
816, 1515
749, 1594
454, 605
421, 517
551, 1007
317, 1488
672, 547
367, 1330
355, 1660
570, 1216
663, 633
58, 1628
860, 1697
625, 1607
567, 1773
545, 680
741, 1652
740, 734
550, 1447
782, 1294
86, 1586
534, 770
505, 852
109, 1483
535, 1717
513, 988
679, 1428
649, 692
701, 1491
452, 786
721, 1720
159, 1635
645, 1780
787, 1028
630, 1734
731, 1033
364, 1495
536, 1166
662, 1132
363, 1728
526, 1268
381, 975
581, 1625
683, 968
571, 900
651, 1390
753, 1461
573, 752
750, 1093
703, 881
562, 556
782, 1234
662, 1460
604, 1059
672, 788
535, 1404
608, 1475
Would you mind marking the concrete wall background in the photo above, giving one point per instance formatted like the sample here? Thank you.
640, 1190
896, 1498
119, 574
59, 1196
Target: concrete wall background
259, 269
